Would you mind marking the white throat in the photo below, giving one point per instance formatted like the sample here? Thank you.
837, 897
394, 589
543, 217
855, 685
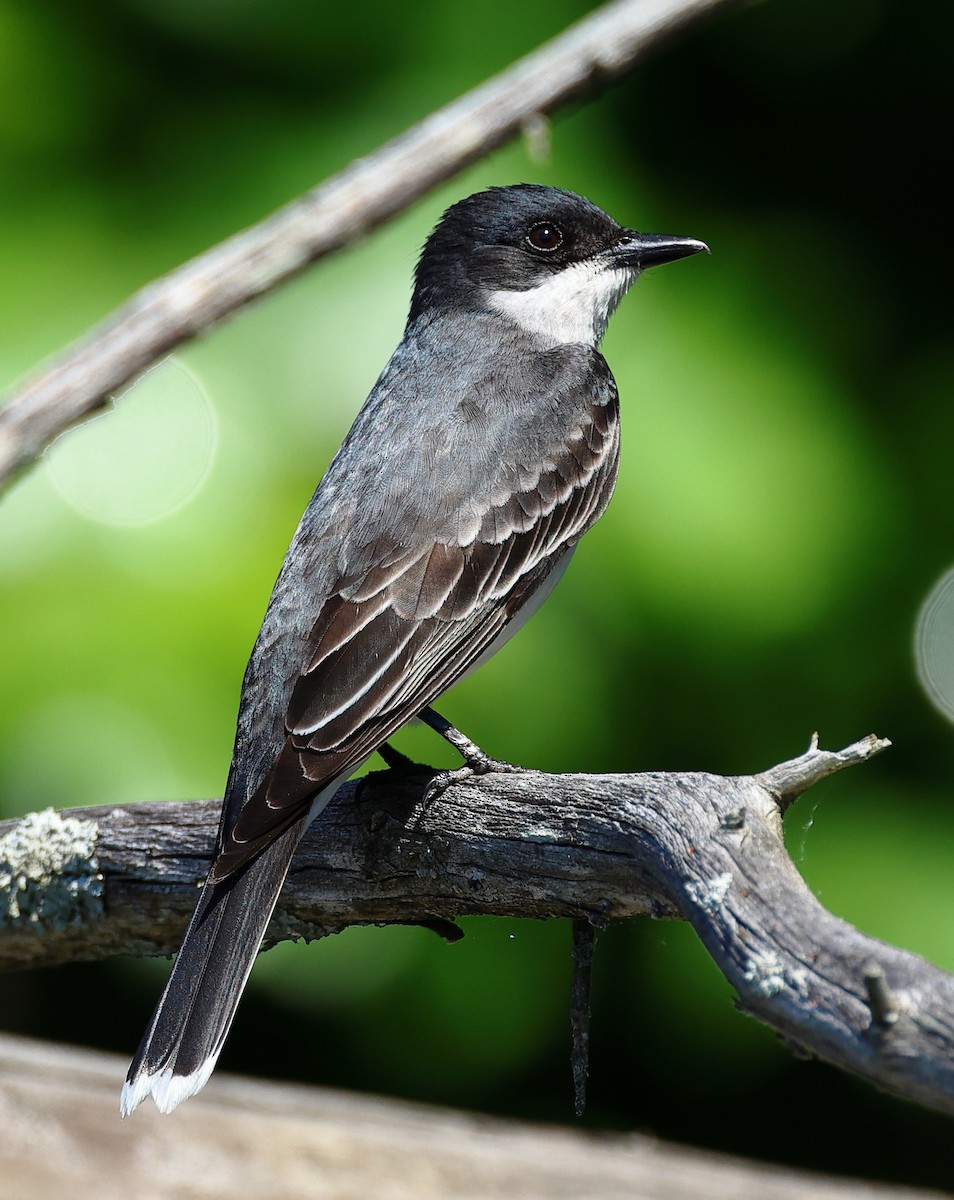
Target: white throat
572, 307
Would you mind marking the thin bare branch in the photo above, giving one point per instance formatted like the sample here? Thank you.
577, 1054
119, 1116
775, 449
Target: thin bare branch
787, 781
583, 60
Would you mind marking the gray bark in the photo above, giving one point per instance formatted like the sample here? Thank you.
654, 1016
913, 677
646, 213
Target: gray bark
96, 882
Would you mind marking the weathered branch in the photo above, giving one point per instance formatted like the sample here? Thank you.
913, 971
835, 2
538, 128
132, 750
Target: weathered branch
586, 58
246, 1139
706, 847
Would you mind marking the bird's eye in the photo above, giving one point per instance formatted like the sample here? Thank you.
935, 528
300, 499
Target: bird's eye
545, 237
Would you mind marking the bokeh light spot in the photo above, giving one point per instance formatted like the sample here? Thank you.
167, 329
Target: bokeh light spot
934, 644
141, 461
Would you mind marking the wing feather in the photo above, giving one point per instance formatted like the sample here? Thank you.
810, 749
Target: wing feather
345, 678
389, 639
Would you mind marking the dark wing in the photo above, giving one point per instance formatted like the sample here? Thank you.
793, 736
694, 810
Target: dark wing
389, 641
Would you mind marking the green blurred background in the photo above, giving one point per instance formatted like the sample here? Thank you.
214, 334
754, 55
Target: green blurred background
784, 508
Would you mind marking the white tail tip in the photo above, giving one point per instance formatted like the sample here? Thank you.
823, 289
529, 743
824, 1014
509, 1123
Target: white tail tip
167, 1089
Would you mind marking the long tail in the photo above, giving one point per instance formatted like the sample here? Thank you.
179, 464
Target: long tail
185, 1036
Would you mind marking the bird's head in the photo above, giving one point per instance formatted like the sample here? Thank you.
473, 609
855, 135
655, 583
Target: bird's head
548, 260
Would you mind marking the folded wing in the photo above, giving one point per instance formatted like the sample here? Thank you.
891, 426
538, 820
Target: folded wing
392, 637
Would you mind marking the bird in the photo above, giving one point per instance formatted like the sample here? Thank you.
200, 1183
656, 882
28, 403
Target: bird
487, 447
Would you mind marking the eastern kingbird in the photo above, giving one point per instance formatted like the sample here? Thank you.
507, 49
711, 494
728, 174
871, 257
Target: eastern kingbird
487, 448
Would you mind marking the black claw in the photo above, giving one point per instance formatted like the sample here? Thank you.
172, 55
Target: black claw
438, 784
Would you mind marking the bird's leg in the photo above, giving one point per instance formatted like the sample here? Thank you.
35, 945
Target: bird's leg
475, 758
394, 759
476, 761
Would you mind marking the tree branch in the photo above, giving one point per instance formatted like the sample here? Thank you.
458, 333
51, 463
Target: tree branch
94, 882
586, 58
246, 1139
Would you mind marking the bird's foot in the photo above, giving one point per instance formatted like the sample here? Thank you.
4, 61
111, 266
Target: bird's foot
476, 764
476, 761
